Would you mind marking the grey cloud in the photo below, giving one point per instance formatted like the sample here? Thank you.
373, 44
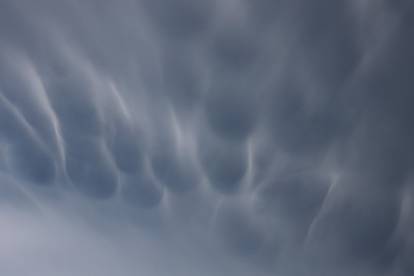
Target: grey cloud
234, 49
231, 110
238, 231
72, 99
295, 196
172, 171
33, 162
257, 137
263, 11
28, 156
356, 226
180, 18
225, 163
126, 143
182, 79
90, 168
171, 163
141, 190
302, 126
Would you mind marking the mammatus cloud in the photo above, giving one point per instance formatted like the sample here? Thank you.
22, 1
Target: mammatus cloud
194, 137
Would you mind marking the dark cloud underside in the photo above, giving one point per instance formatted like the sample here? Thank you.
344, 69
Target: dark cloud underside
274, 137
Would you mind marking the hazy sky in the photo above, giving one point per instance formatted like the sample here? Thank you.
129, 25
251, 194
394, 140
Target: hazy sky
206, 137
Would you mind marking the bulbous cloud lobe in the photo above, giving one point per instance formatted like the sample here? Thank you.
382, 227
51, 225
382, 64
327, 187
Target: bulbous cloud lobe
267, 137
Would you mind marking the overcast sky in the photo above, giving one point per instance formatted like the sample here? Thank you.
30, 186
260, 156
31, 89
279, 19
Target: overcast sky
206, 137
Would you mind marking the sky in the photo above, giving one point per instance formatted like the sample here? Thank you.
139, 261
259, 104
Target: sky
206, 137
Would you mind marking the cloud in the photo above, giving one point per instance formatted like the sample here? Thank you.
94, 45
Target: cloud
198, 137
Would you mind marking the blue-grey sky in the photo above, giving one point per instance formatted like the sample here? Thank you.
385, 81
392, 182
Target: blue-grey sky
206, 137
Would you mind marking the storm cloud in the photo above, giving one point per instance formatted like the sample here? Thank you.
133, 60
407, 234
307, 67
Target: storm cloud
191, 137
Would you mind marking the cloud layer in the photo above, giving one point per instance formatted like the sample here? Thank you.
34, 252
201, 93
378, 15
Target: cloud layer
193, 137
